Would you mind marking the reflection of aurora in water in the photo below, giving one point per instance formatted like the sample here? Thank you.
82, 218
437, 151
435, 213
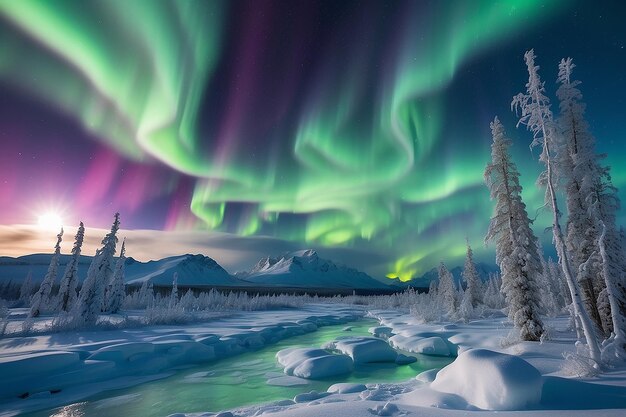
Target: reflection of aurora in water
318, 124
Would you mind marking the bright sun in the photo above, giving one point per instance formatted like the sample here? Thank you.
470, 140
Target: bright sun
50, 220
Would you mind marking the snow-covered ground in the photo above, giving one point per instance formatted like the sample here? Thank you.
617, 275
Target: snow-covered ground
492, 372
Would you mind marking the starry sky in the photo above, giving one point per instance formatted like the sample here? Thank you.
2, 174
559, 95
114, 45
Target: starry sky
360, 128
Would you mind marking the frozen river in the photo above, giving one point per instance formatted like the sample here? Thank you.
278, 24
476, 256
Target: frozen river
238, 381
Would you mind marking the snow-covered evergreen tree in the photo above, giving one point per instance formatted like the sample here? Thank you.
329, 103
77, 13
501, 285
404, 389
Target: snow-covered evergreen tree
516, 245
602, 261
91, 297
117, 289
615, 346
174, 295
41, 299
549, 291
447, 290
535, 111
69, 282
26, 290
471, 277
146, 294
492, 296
466, 310
579, 169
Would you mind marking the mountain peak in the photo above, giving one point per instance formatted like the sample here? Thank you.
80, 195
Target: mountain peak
307, 253
305, 268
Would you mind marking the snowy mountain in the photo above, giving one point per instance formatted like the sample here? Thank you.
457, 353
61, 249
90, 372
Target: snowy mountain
192, 270
305, 269
16, 269
424, 281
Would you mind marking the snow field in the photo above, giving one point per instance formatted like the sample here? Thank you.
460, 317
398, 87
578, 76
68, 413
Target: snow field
514, 378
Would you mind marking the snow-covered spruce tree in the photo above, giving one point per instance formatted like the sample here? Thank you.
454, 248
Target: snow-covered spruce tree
549, 290
41, 299
116, 288
579, 170
492, 296
446, 290
517, 253
599, 202
26, 290
174, 295
535, 111
91, 297
143, 294
471, 277
615, 347
69, 282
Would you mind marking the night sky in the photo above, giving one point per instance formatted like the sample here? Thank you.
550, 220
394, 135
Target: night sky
360, 128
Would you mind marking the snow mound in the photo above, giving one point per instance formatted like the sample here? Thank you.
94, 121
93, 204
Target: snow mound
365, 349
381, 331
310, 396
310, 363
491, 380
427, 376
404, 359
434, 346
346, 388
388, 409
427, 397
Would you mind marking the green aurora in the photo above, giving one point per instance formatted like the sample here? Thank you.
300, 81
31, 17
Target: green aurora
350, 143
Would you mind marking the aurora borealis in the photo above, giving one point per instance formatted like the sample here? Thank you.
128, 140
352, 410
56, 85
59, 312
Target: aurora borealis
353, 125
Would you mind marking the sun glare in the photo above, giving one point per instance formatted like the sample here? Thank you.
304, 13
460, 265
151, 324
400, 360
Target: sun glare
50, 220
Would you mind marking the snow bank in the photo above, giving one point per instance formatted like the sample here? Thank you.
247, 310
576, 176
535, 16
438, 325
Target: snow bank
42, 362
491, 380
313, 363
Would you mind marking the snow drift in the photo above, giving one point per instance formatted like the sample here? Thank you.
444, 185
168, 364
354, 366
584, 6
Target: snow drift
491, 380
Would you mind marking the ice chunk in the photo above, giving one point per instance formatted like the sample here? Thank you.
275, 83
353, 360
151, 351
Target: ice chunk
491, 380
